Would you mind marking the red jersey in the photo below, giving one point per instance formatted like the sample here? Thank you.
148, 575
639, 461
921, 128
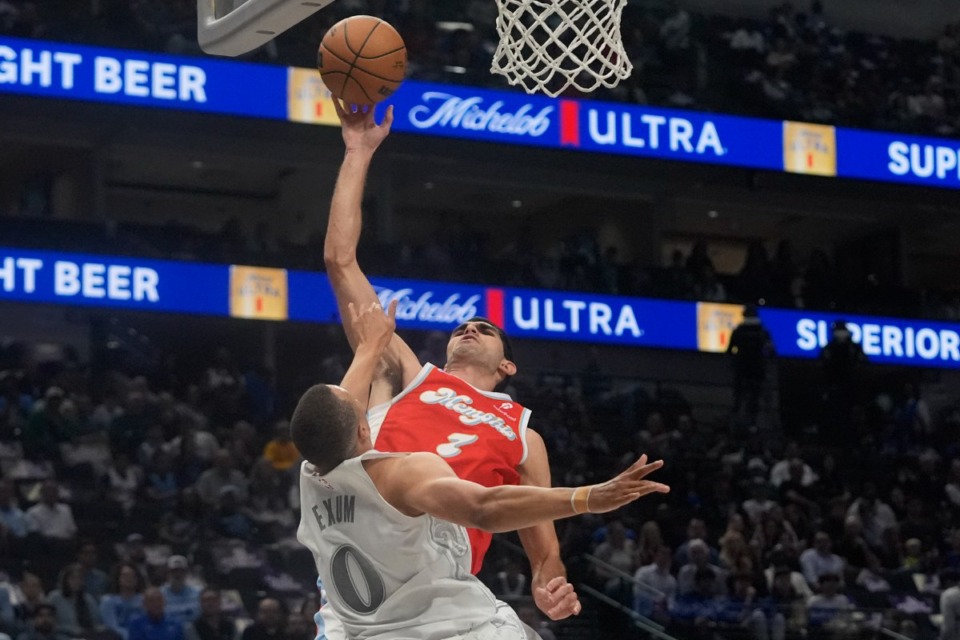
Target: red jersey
481, 434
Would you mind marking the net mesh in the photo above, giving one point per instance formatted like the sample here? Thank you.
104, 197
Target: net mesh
550, 45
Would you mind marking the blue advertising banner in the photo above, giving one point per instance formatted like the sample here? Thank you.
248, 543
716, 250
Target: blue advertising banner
51, 70
262, 293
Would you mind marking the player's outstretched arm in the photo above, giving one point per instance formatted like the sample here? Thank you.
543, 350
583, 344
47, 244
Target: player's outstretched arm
362, 136
374, 331
554, 596
424, 483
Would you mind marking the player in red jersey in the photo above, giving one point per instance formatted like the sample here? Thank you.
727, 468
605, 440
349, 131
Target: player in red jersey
454, 411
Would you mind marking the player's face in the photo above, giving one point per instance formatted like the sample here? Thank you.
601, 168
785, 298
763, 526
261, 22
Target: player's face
344, 396
475, 341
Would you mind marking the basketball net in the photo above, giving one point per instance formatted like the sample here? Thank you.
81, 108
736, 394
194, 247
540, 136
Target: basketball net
550, 45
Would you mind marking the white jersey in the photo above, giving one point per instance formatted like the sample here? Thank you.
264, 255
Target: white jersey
389, 576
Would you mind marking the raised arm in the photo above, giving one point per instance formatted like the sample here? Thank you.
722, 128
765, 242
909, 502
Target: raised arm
424, 483
362, 136
374, 331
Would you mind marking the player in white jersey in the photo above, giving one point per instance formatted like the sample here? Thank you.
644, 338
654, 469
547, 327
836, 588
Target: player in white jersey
387, 530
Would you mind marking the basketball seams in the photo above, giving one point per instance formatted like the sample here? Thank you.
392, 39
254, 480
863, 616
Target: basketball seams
334, 54
383, 55
377, 76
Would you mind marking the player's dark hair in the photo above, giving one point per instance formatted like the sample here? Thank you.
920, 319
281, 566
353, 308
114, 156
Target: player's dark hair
323, 428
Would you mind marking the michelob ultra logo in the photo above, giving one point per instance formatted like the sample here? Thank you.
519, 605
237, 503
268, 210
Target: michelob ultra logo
308, 99
258, 293
715, 324
809, 149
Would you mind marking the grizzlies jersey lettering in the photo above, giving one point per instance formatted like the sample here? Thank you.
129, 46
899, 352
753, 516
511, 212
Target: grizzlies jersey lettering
482, 435
386, 575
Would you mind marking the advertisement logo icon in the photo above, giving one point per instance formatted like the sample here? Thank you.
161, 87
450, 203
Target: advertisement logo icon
258, 293
308, 99
715, 324
809, 149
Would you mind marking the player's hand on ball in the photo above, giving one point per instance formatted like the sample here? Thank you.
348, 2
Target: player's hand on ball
626, 487
374, 327
359, 125
557, 600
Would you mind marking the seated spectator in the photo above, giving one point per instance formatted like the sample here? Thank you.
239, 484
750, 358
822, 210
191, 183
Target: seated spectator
662, 586
13, 521
77, 612
123, 481
124, 601
211, 624
230, 519
95, 581
618, 552
280, 451
788, 606
742, 610
781, 470
161, 482
875, 515
759, 502
830, 609
181, 601
697, 610
268, 624
30, 596
221, 475
51, 519
648, 543
43, 625
154, 624
299, 627
696, 530
786, 558
819, 560
852, 547
180, 527
700, 561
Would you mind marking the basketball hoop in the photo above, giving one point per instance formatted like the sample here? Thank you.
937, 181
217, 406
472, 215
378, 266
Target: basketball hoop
549, 45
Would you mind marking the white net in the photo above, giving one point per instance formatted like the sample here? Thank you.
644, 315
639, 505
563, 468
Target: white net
550, 45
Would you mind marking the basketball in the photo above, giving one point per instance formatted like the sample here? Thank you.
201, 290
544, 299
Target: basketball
362, 60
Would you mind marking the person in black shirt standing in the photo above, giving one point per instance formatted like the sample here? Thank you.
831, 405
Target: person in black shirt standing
751, 347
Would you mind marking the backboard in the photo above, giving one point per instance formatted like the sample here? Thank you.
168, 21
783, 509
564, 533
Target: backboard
235, 27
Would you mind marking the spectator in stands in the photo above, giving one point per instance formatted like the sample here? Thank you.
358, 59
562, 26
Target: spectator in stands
875, 515
269, 622
819, 560
743, 610
78, 614
617, 551
299, 627
180, 527
696, 530
852, 546
648, 543
95, 581
787, 607
46, 428
759, 503
230, 519
161, 482
43, 625
123, 481
154, 624
51, 519
221, 475
697, 610
124, 601
700, 561
13, 521
181, 600
661, 585
781, 470
212, 624
29, 598
750, 348
280, 451
829, 610
135, 552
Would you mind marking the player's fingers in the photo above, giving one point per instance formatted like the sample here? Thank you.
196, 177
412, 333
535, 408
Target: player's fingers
636, 466
392, 311
647, 469
570, 605
556, 583
388, 118
338, 107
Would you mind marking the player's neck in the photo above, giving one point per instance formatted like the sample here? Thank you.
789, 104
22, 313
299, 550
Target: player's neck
476, 376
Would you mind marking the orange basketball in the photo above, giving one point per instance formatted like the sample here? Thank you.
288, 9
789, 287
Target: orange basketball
362, 60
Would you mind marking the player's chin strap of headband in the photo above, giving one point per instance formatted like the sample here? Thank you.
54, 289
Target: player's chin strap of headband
580, 500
